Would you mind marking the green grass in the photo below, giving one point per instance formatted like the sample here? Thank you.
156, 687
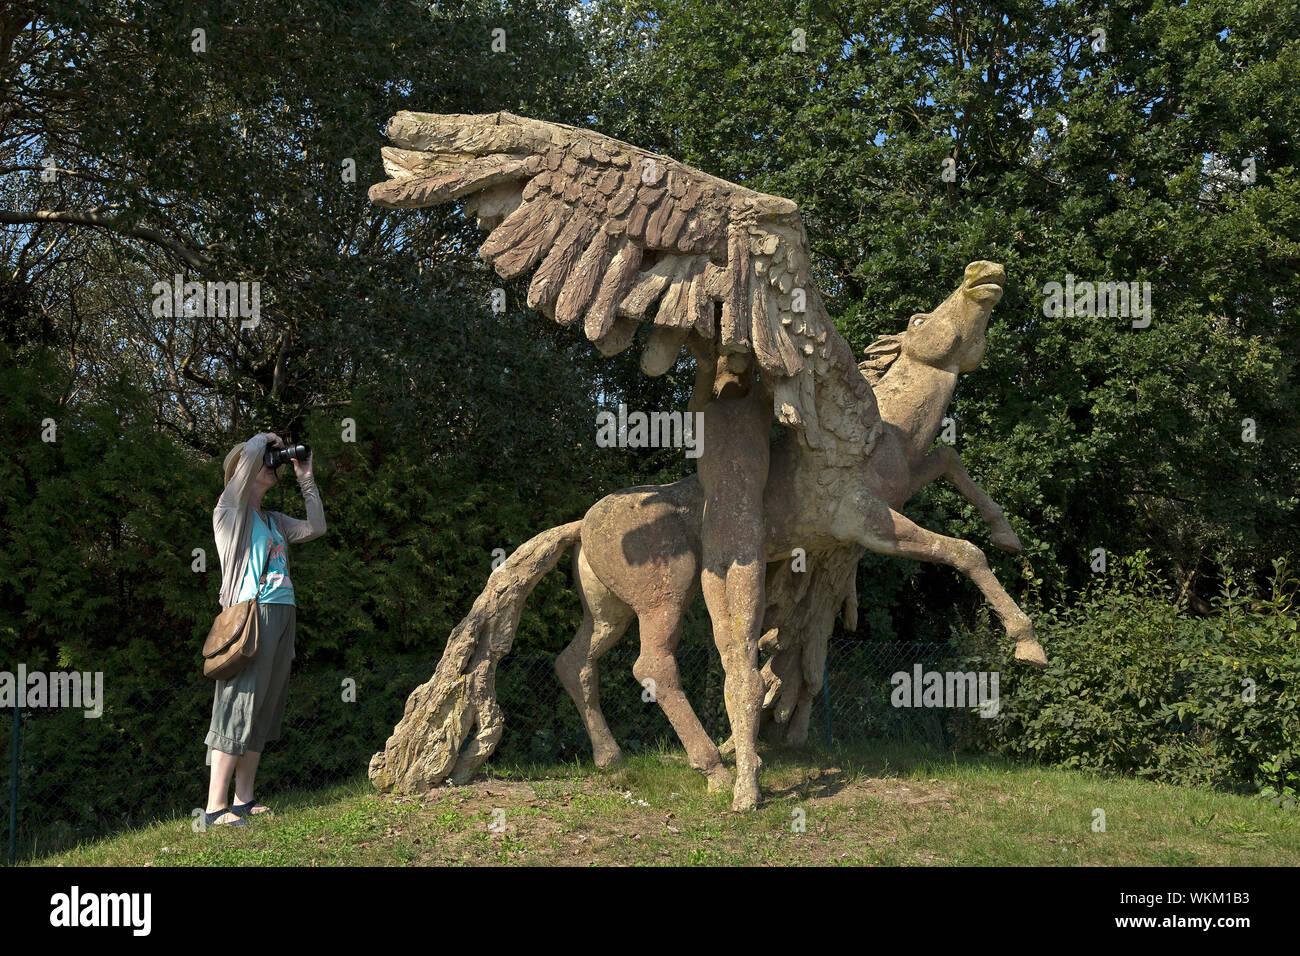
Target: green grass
880, 805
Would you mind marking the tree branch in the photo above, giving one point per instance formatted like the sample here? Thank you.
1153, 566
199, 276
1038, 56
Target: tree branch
194, 259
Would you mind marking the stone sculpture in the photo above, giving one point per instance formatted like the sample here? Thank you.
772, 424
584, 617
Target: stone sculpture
631, 536
617, 236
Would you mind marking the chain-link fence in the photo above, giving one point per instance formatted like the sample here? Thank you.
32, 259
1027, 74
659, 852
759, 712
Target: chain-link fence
78, 778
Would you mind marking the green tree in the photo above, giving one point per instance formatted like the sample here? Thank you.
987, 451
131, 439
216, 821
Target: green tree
1115, 157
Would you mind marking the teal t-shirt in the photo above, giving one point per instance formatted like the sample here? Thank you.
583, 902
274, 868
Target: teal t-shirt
267, 545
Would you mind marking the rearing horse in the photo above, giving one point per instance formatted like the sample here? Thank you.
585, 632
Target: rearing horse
639, 555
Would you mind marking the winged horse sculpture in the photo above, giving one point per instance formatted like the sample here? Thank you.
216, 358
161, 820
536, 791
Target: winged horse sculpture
616, 237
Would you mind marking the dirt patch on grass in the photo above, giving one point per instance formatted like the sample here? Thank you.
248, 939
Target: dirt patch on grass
596, 820
832, 786
910, 792
490, 821
489, 789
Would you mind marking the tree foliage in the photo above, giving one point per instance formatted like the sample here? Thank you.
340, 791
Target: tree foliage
1115, 161
1122, 163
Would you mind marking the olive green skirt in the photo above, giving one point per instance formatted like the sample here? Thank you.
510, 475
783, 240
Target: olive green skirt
248, 709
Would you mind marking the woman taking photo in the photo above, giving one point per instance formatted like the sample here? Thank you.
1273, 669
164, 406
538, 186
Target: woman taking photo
247, 710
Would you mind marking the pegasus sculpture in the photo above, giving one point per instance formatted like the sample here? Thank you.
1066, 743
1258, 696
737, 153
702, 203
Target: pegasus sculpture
615, 237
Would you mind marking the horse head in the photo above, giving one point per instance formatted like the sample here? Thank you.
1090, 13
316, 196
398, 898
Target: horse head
952, 336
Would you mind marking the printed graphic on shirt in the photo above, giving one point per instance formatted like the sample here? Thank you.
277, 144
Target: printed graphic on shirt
276, 556
268, 550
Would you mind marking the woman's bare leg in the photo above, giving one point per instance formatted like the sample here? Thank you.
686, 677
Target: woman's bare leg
246, 775
223, 768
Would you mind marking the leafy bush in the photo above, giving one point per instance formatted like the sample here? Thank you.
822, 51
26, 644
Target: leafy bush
1137, 685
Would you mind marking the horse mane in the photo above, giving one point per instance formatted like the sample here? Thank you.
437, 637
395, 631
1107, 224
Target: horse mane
881, 355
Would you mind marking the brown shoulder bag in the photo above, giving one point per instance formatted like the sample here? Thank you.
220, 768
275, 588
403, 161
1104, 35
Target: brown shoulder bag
232, 641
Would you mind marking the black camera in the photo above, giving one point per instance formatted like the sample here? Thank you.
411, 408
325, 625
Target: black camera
275, 457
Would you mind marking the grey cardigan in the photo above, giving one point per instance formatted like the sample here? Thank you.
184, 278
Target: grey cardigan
232, 519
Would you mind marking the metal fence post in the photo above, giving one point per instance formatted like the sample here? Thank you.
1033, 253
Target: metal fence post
13, 793
826, 691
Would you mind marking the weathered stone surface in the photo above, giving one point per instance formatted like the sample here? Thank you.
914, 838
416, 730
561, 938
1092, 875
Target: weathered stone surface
429, 744
620, 236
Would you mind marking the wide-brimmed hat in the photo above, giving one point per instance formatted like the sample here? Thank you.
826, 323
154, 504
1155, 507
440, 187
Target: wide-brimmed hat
232, 459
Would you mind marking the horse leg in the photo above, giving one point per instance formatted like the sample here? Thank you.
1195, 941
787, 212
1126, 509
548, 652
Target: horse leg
656, 670
876, 526
604, 620
946, 462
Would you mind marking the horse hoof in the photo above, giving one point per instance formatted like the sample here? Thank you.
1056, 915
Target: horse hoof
1031, 652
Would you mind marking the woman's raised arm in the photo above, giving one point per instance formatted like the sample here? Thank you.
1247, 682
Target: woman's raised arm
295, 529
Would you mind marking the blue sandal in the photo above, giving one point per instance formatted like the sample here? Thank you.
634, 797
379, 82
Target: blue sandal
210, 819
245, 811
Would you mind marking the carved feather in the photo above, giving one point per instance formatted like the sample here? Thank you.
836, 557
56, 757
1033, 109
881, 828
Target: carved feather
559, 262
620, 276
416, 191
650, 285
736, 308
543, 226
580, 287
660, 353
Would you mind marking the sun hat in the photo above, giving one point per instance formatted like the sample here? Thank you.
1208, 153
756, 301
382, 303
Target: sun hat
232, 459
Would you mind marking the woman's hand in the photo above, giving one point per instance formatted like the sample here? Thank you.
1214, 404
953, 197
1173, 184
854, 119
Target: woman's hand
302, 468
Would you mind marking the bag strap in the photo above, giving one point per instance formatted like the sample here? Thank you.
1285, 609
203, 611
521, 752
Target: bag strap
266, 566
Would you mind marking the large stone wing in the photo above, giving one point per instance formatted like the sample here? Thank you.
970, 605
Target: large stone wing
617, 236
